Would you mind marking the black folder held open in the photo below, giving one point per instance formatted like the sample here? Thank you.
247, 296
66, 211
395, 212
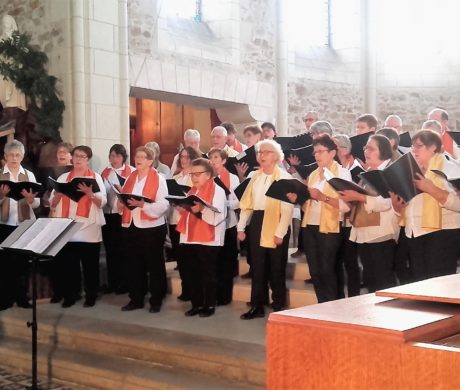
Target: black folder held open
398, 177
176, 189
187, 202
17, 187
280, 188
70, 189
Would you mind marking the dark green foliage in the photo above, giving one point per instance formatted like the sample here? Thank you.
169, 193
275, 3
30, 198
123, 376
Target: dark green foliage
25, 66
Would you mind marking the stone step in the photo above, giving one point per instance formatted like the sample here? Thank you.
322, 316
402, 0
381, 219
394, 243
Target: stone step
101, 340
105, 372
299, 293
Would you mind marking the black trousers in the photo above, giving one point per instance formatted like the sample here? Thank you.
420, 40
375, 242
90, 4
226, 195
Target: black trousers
14, 271
200, 263
68, 269
321, 250
300, 246
434, 254
267, 263
111, 234
178, 255
348, 259
228, 255
402, 265
143, 253
377, 259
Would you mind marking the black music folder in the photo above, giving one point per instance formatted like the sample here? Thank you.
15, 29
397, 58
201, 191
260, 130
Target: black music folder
124, 196
221, 184
17, 187
294, 142
304, 154
280, 188
455, 135
341, 185
454, 181
239, 191
355, 172
247, 156
398, 177
70, 189
121, 179
305, 170
405, 140
358, 142
176, 189
187, 202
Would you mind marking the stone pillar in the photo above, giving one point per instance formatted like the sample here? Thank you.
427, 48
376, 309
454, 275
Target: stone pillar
369, 56
99, 103
282, 69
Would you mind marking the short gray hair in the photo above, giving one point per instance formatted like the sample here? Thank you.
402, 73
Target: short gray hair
395, 117
323, 127
192, 134
12, 145
432, 124
220, 129
315, 114
342, 141
275, 146
154, 147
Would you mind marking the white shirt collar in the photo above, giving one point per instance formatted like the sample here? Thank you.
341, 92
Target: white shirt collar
7, 170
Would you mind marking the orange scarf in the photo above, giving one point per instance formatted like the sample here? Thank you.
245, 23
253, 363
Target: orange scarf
84, 204
124, 173
225, 177
198, 230
448, 143
149, 191
237, 146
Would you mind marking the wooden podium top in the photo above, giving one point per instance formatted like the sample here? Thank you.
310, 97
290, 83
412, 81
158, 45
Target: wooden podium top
442, 289
402, 319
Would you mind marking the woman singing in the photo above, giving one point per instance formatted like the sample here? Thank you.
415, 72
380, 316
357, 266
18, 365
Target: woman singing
84, 246
144, 232
268, 221
202, 232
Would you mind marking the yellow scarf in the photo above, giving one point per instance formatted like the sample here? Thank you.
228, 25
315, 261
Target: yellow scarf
272, 210
431, 211
330, 216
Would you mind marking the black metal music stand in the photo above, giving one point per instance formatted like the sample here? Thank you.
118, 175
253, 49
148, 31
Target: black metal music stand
61, 238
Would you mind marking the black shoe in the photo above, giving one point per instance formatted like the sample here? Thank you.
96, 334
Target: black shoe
255, 312
308, 281
24, 304
207, 312
68, 303
247, 275
183, 298
155, 308
132, 306
278, 307
224, 302
89, 302
193, 311
56, 299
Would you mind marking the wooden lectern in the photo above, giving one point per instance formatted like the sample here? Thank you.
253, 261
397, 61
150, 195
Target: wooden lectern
407, 338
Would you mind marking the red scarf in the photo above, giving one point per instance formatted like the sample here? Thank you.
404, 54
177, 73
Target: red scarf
149, 191
225, 177
198, 230
125, 173
448, 143
237, 146
84, 204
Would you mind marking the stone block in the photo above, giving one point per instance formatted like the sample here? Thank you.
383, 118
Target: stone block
241, 88
168, 71
182, 76
107, 122
206, 83
154, 75
106, 63
106, 11
251, 92
101, 88
218, 86
101, 35
195, 82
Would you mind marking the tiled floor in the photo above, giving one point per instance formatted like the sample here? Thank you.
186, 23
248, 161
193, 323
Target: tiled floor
13, 381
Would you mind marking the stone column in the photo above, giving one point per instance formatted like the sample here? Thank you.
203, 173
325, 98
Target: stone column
282, 69
369, 56
99, 103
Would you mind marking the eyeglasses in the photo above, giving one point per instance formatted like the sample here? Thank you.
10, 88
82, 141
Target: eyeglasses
262, 152
320, 151
80, 156
417, 146
197, 174
14, 155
